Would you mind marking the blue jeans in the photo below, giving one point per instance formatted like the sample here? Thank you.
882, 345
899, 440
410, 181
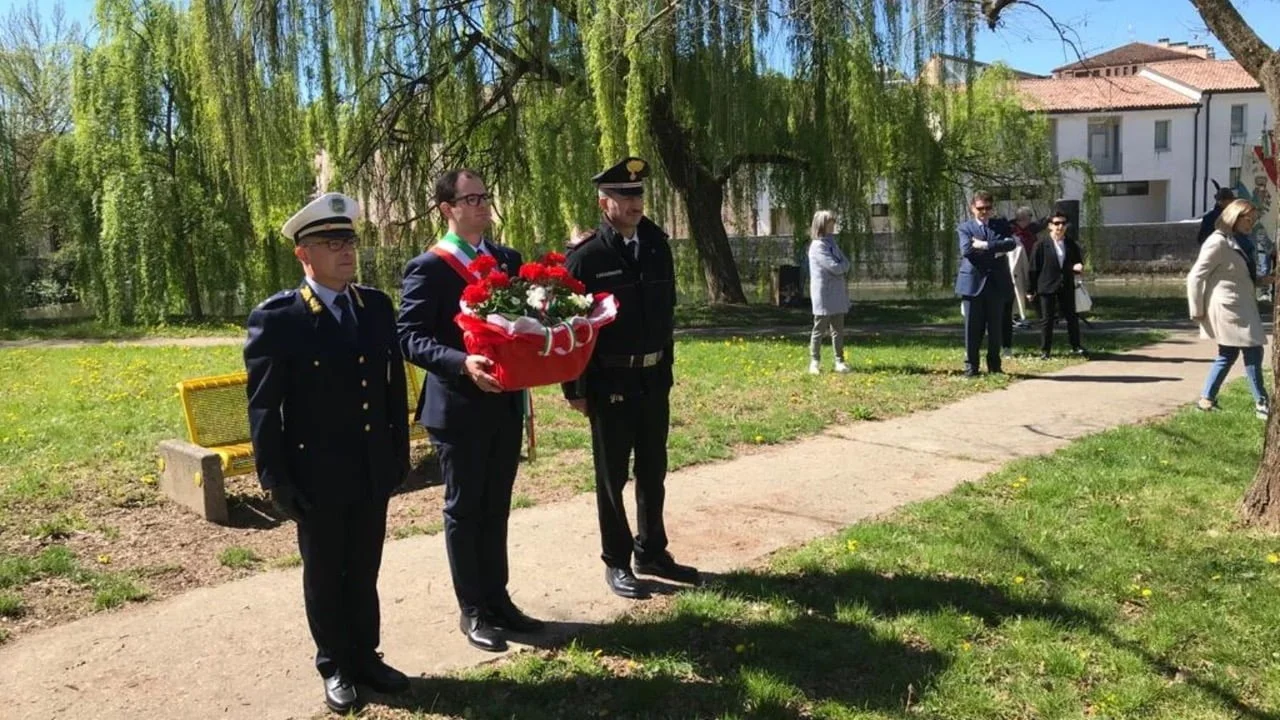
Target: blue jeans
1264, 263
1222, 364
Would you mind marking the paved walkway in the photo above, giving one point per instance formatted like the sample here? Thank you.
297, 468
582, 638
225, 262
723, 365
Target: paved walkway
241, 650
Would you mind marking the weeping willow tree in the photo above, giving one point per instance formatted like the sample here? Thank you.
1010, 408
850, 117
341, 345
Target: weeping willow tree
180, 203
10, 237
199, 128
814, 98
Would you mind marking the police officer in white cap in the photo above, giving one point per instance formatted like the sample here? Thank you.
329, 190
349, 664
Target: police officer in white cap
329, 420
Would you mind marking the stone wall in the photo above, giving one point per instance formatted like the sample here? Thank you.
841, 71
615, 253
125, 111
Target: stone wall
1137, 248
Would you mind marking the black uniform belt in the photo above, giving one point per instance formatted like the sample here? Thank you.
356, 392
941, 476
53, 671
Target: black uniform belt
631, 361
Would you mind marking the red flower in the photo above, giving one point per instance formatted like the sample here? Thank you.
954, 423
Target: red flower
474, 295
482, 265
498, 279
553, 258
558, 273
575, 285
533, 272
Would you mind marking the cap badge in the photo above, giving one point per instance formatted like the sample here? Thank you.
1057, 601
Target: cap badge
337, 205
634, 166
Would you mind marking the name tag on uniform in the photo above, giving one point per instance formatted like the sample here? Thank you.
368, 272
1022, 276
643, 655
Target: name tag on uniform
611, 273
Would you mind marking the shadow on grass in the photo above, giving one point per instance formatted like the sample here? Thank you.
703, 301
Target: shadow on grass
696, 663
763, 667
1156, 662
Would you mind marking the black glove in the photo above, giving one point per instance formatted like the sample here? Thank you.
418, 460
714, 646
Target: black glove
290, 503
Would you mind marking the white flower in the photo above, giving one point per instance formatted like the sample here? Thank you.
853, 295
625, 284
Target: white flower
581, 303
536, 297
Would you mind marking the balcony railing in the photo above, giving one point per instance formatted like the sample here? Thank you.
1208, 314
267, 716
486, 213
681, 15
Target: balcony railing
1109, 165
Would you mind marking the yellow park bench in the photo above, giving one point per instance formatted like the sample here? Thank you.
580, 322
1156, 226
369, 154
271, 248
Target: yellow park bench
218, 446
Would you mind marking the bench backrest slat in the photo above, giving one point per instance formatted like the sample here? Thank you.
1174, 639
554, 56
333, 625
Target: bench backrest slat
216, 407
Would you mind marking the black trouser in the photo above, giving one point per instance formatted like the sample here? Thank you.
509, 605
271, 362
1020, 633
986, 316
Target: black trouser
479, 466
617, 428
1052, 305
982, 314
1006, 325
341, 548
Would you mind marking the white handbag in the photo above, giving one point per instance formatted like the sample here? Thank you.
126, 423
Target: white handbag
1084, 303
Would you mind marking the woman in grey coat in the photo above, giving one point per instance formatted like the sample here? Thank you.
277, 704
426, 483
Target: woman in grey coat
828, 268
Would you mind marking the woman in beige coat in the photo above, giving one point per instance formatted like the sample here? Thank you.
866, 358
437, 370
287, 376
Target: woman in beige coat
1221, 297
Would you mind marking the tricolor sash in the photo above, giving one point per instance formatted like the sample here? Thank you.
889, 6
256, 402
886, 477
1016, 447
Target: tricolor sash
458, 254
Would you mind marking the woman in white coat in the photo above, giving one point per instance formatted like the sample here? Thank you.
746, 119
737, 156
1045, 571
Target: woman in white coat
828, 268
1221, 298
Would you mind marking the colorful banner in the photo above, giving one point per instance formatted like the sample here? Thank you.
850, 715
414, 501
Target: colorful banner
1258, 184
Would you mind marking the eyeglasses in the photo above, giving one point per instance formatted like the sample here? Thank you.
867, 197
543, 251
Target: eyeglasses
335, 244
473, 199
1057, 222
982, 208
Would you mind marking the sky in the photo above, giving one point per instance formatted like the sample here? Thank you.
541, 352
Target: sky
1026, 40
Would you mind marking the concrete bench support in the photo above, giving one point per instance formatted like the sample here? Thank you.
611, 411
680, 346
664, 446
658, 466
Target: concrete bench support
192, 477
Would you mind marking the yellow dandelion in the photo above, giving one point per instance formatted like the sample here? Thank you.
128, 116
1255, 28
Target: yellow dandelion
852, 545
1018, 580
104, 559
1146, 592
1273, 558
1216, 577
966, 646
759, 438
740, 648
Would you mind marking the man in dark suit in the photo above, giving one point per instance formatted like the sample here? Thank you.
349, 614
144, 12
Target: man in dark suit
983, 283
474, 425
625, 390
1055, 262
329, 423
1222, 198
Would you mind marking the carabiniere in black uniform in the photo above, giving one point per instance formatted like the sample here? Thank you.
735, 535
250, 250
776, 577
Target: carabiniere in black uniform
627, 386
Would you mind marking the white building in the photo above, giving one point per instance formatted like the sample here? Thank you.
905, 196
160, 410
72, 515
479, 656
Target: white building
1157, 134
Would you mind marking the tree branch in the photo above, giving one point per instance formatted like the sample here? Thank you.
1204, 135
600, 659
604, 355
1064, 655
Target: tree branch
1239, 38
738, 161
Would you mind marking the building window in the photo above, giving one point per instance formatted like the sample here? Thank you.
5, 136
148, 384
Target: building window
1162, 135
1233, 177
1238, 129
1104, 145
879, 209
1124, 189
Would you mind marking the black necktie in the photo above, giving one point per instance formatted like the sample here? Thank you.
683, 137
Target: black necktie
348, 321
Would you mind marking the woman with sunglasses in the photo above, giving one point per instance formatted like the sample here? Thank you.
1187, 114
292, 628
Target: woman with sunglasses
1055, 262
1221, 291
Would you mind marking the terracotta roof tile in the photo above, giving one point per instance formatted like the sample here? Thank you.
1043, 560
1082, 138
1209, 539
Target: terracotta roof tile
1135, 53
1211, 75
1064, 95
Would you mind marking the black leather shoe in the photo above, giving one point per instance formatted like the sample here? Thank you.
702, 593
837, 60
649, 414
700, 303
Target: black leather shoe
381, 677
970, 372
339, 693
506, 616
481, 633
665, 566
625, 584
1081, 351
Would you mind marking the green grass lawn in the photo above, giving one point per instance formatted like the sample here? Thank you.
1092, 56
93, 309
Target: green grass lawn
1109, 580
79, 427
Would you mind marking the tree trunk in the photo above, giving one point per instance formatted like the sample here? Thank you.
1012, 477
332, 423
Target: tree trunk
1261, 505
703, 197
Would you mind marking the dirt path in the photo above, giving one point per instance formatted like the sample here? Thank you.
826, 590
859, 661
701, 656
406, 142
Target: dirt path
241, 650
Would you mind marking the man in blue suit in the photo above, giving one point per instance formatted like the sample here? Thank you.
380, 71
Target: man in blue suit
983, 283
474, 425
